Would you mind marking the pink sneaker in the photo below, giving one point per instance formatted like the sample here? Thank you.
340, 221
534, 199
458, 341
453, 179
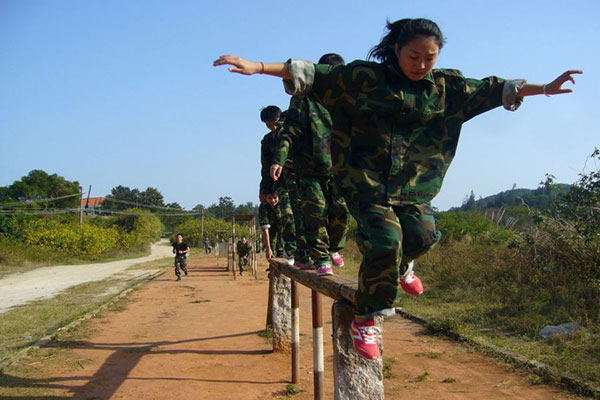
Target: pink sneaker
411, 283
324, 269
305, 266
364, 338
337, 259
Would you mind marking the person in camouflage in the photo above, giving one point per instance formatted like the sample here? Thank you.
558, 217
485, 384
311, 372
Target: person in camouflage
307, 131
396, 126
243, 250
287, 188
270, 220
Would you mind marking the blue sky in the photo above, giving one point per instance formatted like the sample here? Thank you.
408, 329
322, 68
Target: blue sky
123, 93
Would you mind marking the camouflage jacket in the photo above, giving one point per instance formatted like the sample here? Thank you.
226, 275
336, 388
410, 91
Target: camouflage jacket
243, 249
307, 130
268, 145
393, 139
269, 216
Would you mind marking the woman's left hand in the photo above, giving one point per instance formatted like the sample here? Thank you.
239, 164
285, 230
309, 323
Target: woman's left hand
555, 87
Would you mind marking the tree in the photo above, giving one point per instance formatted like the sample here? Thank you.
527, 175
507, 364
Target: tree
151, 196
37, 185
469, 202
581, 204
199, 208
121, 193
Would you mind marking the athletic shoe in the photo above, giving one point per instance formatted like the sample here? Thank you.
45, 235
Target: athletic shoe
178, 279
411, 283
290, 261
185, 271
324, 269
337, 259
364, 338
305, 266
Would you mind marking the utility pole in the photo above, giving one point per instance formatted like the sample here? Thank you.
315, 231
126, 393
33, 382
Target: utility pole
80, 205
202, 226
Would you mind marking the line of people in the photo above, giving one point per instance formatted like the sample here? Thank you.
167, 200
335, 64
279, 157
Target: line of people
394, 125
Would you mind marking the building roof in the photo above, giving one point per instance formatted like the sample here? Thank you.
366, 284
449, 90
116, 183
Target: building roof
93, 201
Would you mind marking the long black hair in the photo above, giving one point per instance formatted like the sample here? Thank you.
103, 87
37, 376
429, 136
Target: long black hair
401, 32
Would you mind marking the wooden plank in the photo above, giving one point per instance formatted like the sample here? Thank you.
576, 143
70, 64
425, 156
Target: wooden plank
334, 286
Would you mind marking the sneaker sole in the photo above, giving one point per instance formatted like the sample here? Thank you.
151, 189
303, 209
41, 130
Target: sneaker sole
325, 273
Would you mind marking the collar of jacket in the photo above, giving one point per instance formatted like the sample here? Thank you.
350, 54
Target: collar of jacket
396, 70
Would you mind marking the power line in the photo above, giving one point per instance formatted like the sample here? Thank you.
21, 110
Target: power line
27, 202
137, 204
74, 210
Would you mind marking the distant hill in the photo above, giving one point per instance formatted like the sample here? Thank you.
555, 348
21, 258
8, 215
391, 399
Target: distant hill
540, 198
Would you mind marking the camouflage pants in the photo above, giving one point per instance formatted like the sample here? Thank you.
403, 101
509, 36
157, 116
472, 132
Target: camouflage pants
389, 237
326, 217
275, 239
180, 264
287, 225
291, 186
242, 261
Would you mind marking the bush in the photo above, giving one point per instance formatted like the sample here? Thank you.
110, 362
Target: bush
470, 226
54, 237
143, 225
71, 239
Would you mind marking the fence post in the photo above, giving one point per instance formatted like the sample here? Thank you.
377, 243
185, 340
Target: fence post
228, 254
318, 359
270, 301
233, 246
281, 312
354, 377
295, 333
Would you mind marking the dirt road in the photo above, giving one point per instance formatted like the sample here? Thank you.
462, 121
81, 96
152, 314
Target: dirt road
198, 339
46, 282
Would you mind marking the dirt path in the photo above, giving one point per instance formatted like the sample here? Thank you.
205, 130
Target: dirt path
198, 339
45, 282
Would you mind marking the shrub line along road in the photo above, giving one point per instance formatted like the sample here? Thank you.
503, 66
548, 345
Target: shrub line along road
46, 282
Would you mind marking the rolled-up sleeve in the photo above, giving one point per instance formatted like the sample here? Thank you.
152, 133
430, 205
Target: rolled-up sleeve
510, 94
303, 77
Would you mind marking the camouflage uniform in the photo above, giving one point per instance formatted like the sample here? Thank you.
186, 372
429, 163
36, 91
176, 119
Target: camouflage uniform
270, 218
393, 140
243, 251
287, 189
307, 130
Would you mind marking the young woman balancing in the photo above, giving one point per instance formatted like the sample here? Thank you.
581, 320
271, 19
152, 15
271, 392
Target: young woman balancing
396, 126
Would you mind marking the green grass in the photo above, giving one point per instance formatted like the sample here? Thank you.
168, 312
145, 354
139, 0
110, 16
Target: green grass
292, 390
388, 367
267, 334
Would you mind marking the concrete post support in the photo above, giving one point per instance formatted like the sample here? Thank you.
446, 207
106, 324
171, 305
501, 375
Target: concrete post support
282, 311
355, 378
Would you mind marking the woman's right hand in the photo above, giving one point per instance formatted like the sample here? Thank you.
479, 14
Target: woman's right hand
240, 65
276, 171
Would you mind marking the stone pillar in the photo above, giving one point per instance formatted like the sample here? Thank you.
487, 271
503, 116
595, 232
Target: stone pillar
282, 310
355, 378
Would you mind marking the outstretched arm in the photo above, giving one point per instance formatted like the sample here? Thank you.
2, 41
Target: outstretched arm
246, 67
552, 88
